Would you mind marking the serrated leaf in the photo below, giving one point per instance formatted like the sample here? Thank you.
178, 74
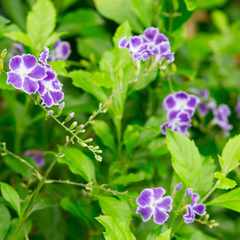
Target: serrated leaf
230, 200
104, 132
78, 163
188, 163
230, 157
41, 23
11, 196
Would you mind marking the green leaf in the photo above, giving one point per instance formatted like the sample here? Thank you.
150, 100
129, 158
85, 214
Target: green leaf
131, 137
230, 158
11, 196
83, 79
129, 178
165, 235
118, 11
115, 208
144, 11
41, 23
78, 163
124, 30
5, 221
19, 37
229, 200
191, 4
188, 163
224, 182
104, 132
60, 68
114, 230
87, 17
220, 20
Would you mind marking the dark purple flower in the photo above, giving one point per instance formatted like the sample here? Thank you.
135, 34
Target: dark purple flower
61, 51
152, 203
221, 114
151, 43
180, 108
37, 156
194, 208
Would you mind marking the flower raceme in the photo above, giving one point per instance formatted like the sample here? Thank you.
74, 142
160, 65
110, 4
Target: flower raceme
180, 108
151, 43
194, 208
32, 75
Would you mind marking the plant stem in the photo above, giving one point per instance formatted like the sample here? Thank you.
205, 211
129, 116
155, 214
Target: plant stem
210, 192
27, 211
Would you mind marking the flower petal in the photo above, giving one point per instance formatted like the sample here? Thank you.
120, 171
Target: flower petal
165, 203
199, 209
15, 62
158, 192
160, 217
47, 100
189, 216
38, 72
29, 60
145, 197
14, 79
150, 33
145, 212
57, 96
30, 86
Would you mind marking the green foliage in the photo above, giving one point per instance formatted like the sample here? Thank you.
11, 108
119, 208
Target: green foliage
41, 23
78, 163
5, 219
230, 158
11, 196
228, 200
188, 163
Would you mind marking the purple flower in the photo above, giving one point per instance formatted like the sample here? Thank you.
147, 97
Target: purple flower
180, 108
152, 203
61, 51
33, 75
151, 43
194, 208
25, 73
37, 156
221, 114
50, 88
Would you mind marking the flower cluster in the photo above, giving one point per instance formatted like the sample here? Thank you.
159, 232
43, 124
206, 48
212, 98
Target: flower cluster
220, 112
153, 203
194, 208
151, 43
61, 51
32, 75
180, 108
